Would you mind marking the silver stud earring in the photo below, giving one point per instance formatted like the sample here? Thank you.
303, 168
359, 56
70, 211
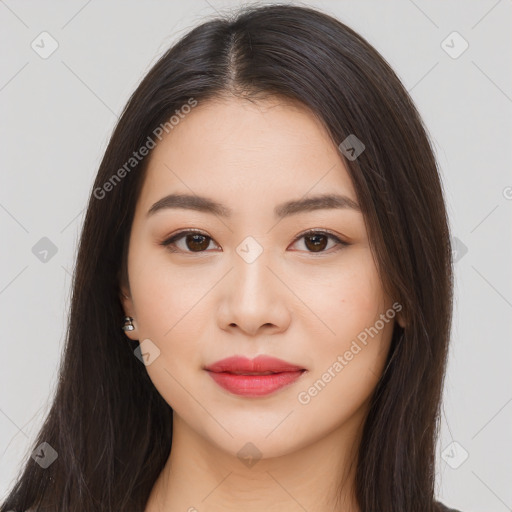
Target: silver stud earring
128, 325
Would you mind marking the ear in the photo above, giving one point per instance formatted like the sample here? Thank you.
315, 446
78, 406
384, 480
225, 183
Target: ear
127, 303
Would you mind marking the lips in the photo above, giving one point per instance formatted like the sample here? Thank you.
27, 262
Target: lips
258, 366
253, 377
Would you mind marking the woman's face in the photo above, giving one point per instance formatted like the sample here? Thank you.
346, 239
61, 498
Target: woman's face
251, 283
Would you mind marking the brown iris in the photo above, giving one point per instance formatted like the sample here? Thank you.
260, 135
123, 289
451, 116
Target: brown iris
316, 242
198, 243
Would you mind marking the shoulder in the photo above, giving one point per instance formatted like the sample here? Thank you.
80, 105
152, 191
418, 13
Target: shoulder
444, 508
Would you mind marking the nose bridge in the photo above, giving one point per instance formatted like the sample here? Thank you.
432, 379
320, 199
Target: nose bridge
251, 261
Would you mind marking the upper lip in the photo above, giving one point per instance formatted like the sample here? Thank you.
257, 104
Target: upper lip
260, 364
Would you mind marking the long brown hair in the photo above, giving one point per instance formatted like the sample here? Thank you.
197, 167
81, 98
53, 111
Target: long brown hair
109, 425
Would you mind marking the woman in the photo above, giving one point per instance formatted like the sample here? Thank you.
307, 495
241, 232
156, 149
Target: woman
263, 282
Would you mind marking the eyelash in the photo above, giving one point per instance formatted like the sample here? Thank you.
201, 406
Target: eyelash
169, 242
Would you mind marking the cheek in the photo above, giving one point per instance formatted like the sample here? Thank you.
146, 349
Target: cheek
347, 365
350, 356
165, 294
170, 313
347, 295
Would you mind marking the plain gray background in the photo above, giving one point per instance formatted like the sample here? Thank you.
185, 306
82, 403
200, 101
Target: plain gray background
57, 115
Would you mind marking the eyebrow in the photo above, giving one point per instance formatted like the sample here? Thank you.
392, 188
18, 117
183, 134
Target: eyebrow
207, 205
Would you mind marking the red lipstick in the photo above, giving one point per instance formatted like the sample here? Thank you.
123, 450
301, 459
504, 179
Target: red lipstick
253, 377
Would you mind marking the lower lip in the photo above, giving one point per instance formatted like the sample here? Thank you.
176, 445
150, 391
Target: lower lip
254, 385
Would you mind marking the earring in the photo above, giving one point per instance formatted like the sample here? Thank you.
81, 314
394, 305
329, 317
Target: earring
128, 325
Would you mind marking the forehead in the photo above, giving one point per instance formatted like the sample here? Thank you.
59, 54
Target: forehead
230, 148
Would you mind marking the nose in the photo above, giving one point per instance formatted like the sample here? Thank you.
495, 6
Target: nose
254, 299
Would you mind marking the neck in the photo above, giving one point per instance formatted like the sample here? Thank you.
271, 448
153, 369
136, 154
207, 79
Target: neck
199, 476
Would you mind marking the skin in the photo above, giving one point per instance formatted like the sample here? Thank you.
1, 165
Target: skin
292, 303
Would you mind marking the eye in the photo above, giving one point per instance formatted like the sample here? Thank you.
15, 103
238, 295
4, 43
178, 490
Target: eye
196, 241
317, 241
